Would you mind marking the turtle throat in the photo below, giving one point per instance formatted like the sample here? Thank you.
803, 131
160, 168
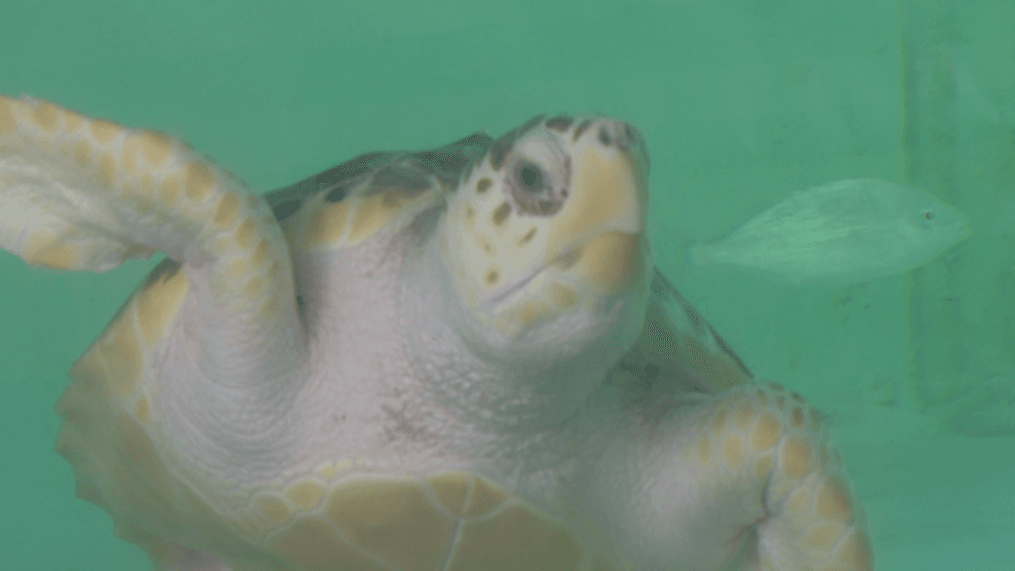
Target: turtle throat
534, 380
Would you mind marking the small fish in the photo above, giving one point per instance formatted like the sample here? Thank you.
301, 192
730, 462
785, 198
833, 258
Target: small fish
841, 232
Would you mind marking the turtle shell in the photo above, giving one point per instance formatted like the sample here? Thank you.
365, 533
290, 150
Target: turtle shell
408, 170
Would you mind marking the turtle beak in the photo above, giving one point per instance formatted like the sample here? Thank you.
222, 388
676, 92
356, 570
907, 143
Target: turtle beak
600, 236
609, 264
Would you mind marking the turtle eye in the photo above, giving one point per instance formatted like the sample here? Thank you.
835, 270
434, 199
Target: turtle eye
537, 174
530, 177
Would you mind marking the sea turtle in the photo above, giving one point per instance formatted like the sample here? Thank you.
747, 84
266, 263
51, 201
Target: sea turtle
460, 359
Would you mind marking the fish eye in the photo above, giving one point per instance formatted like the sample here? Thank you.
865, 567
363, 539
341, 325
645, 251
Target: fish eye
928, 215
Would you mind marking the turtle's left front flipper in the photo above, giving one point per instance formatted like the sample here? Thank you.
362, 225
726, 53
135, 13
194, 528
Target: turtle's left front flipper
746, 480
86, 194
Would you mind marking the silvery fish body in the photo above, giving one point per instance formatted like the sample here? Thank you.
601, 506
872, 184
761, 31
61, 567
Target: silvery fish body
846, 231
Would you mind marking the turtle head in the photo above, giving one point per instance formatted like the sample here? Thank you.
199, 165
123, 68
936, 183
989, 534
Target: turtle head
545, 240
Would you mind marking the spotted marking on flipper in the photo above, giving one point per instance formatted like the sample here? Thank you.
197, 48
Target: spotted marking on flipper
749, 439
82, 164
93, 193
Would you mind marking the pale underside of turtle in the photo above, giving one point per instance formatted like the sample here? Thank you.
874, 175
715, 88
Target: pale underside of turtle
458, 359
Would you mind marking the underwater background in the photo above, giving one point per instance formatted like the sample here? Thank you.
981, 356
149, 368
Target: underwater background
740, 102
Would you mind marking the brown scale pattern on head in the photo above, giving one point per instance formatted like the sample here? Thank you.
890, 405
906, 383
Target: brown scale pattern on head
501, 214
560, 123
580, 129
501, 148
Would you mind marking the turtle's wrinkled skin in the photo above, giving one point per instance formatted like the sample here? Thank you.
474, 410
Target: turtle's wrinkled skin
458, 360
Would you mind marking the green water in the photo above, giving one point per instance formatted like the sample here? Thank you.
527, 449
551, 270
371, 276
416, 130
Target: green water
740, 102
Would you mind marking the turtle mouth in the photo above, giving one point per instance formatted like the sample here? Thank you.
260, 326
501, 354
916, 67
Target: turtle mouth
519, 286
607, 263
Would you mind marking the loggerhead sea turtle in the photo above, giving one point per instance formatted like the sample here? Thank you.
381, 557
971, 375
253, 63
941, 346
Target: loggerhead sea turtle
460, 360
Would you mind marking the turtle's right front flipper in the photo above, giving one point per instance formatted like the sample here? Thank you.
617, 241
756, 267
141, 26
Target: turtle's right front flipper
79, 193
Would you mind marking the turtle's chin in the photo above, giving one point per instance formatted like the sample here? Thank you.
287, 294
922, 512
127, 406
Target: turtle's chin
545, 322
542, 348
